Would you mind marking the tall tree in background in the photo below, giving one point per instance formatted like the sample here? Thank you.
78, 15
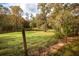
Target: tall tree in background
39, 21
44, 9
17, 11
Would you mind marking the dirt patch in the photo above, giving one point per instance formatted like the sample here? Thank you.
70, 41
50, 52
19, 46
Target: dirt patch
58, 46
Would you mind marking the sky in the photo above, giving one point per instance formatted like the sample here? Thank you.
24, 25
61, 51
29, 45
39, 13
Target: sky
26, 7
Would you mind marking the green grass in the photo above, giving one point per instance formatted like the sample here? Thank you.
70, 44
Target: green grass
12, 44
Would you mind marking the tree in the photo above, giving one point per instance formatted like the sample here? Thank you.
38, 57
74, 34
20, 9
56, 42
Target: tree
63, 19
33, 21
8, 23
4, 12
17, 11
44, 10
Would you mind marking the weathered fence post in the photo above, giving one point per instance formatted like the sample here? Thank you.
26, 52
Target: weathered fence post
24, 42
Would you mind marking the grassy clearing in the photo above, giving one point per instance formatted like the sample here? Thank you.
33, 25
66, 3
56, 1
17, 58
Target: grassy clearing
11, 43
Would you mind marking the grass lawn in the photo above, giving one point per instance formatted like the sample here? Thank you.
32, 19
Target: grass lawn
12, 44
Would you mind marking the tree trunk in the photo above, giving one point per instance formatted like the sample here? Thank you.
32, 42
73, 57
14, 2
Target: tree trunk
45, 27
45, 24
24, 42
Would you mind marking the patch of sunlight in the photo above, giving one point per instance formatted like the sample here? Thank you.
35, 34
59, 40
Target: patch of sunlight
13, 34
39, 33
3, 35
61, 44
42, 33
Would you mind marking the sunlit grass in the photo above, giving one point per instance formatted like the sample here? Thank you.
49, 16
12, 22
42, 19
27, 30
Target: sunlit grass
12, 43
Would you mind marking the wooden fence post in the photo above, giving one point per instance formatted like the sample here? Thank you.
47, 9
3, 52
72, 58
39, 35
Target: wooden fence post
24, 42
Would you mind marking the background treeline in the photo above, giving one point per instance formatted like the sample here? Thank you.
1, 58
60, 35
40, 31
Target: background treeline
11, 21
63, 18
